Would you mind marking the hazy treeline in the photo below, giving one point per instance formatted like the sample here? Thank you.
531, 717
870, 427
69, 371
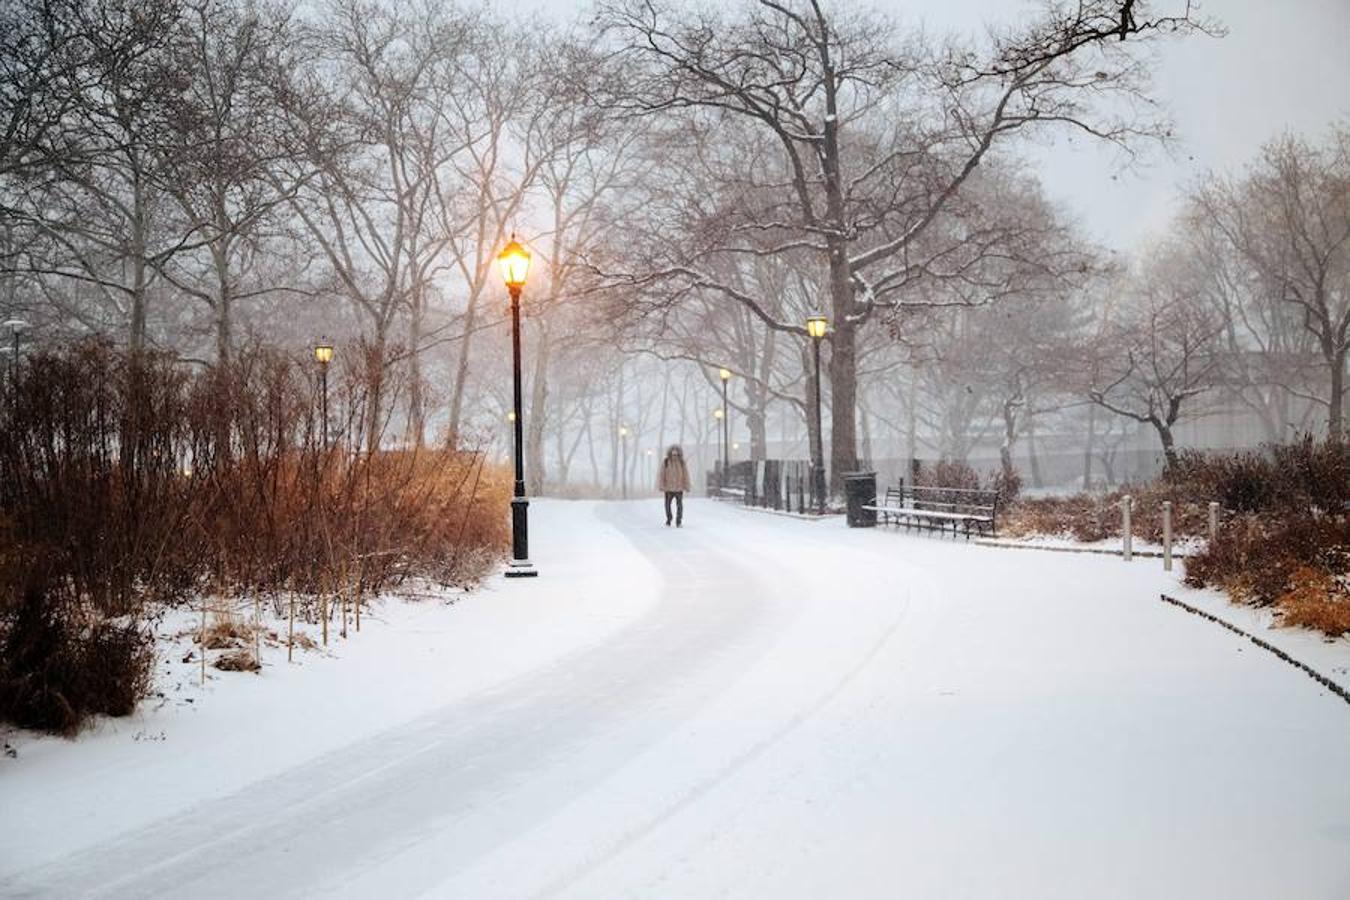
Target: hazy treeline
203, 176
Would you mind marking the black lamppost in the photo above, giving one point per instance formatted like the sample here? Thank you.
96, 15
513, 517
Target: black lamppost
719, 415
323, 355
816, 326
515, 264
15, 326
725, 374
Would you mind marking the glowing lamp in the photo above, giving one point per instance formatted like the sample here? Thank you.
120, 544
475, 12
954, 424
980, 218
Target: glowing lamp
515, 262
816, 326
323, 354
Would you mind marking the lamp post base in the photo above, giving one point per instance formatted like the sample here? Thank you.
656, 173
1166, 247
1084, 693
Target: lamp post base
521, 568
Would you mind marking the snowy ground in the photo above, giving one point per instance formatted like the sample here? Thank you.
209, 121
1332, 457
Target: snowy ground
752, 706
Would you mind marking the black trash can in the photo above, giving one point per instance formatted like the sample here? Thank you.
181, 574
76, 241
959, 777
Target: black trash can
860, 489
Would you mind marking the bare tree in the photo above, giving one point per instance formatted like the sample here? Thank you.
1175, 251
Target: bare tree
88, 183
363, 186
1158, 352
874, 139
224, 140
1290, 221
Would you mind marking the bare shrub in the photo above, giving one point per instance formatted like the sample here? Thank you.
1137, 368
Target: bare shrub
56, 671
135, 481
1316, 600
947, 473
1284, 541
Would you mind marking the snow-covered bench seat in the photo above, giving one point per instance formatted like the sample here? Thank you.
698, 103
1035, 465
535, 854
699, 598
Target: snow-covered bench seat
893, 504
963, 509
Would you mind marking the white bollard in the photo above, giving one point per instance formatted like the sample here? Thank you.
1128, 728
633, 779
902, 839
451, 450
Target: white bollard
1167, 535
1127, 538
1213, 521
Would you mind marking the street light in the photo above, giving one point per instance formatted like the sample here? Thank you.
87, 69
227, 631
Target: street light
816, 326
323, 355
16, 326
515, 265
717, 418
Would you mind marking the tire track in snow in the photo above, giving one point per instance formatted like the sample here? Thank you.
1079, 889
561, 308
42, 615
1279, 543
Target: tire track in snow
466, 777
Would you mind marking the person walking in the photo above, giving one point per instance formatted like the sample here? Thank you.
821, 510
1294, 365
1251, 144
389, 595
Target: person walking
673, 482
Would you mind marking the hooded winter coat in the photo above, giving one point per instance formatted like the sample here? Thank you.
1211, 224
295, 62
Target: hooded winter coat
674, 477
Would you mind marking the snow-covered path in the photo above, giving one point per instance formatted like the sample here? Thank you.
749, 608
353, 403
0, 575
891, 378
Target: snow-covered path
778, 708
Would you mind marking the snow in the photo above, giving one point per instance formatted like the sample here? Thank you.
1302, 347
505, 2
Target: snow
1068, 543
750, 706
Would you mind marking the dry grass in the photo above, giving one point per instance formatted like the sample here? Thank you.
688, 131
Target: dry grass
237, 661
224, 631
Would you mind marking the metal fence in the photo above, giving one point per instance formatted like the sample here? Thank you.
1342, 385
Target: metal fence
782, 484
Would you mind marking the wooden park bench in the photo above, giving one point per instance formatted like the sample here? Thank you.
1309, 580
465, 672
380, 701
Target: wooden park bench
936, 508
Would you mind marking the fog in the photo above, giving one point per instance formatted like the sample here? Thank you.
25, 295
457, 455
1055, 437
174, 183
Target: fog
1057, 267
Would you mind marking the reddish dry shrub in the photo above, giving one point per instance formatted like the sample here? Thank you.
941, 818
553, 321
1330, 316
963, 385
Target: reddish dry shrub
1284, 539
56, 671
1316, 600
948, 473
1090, 517
1295, 561
1298, 476
1258, 559
134, 480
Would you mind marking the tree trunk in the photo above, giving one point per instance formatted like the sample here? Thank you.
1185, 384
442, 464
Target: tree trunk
1168, 442
1009, 438
224, 304
865, 421
590, 449
912, 419
813, 439
462, 368
755, 420
1087, 450
665, 409
616, 422
417, 416
843, 373
375, 391
535, 475
1335, 417
139, 241
1032, 458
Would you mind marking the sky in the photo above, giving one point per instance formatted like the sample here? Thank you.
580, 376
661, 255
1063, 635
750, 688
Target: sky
1284, 65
